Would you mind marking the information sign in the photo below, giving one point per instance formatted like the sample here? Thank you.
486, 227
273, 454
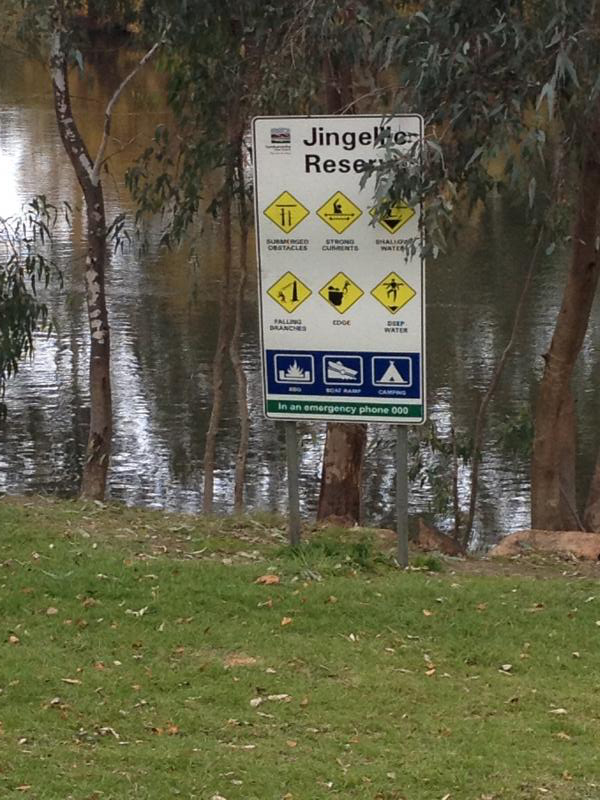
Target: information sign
341, 286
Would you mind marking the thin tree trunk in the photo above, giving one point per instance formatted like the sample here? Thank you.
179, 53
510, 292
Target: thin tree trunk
235, 345
591, 519
553, 464
221, 349
95, 469
343, 455
493, 385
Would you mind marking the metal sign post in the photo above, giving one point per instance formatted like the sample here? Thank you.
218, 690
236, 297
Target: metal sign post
402, 495
291, 448
341, 284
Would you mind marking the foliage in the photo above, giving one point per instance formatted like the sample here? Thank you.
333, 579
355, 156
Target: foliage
228, 62
427, 562
24, 266
516, 432
436, 460
507, 90
140, 658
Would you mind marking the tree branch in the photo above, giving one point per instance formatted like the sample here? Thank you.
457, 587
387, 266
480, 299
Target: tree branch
99, 160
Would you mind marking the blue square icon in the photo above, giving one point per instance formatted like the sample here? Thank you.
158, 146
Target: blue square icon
294, 368
342, 370
392, 371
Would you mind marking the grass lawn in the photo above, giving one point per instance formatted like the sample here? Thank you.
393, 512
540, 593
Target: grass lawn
140, 658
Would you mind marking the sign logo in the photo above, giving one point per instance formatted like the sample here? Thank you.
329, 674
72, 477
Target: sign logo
392, 371
395, 218
280, 136
286, 212
341, 293
341, 370
393, 293
339, 212
289, 292
294, 368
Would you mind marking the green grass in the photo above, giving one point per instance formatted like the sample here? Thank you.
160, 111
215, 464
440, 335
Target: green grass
132, 645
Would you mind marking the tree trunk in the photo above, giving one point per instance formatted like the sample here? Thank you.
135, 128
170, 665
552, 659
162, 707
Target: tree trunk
95, 469
223, 335
553, 502
591, 519
341, 476
345, 443
241, 381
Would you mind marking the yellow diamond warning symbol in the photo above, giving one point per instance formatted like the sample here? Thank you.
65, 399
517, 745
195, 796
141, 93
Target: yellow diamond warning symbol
395, 217
339, 212
393, 292
289, 292
341, 293
286, 212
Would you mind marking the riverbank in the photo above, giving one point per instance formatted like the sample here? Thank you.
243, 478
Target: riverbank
153, 655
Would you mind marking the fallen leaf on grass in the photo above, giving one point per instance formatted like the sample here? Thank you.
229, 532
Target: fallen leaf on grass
281, 698
563, 735
291, 743
71, 681
558, 711
286, 621
24, 787
506, 668
430, 672
427, 612
268, 580
239, 660
51, 611
12, 639
256, 701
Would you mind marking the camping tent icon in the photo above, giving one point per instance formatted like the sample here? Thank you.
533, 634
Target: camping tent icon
392, 371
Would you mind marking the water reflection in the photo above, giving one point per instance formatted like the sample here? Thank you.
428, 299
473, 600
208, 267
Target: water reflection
163, 313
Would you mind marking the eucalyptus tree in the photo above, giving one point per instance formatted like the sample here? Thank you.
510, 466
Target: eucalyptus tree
227, 62
53, 28
24, 267
515, 83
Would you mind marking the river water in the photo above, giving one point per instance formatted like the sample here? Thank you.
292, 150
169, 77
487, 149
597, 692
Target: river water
163, 311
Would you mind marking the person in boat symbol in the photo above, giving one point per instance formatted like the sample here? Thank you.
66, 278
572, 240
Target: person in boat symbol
335, 295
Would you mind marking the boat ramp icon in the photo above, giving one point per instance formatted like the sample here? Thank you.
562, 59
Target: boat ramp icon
342, 370
392, 371
294, 368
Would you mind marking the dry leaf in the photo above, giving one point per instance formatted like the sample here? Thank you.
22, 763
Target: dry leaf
71, 681
331, 599
51, 611
558, 711
291, 743
12, 639
268, 580
256, 701
282, 698
430, 672
171, 729
304, 702
286, 621
239, 660
427, 612
506, 667
563, 735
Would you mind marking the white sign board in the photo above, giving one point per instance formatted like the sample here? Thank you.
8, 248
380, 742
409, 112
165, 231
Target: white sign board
341, 290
